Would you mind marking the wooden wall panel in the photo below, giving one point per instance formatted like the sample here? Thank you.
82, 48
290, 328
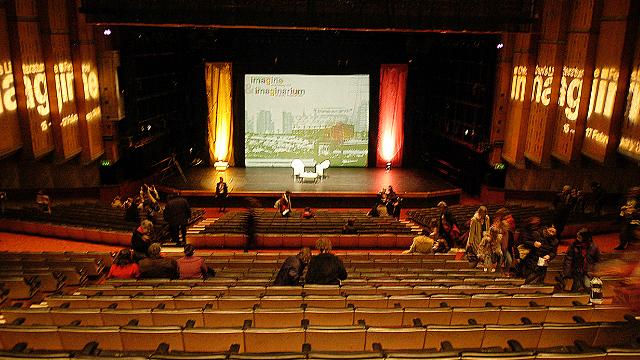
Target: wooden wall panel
546, 83
501, 100
519, 103
30, 79
10, 140
610, 78
59, 68
87, 86
630, 134
577, 74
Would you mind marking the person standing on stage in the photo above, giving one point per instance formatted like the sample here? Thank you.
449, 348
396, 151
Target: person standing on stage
284, 204
222, 192
177, 214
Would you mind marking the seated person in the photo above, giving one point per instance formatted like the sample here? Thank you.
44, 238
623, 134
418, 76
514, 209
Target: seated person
284, 204
123, 266
141, 239
422, 244
43, 202
192, 267
350, 227
325, 268
307, 213
291, 271
156, 266
117, 202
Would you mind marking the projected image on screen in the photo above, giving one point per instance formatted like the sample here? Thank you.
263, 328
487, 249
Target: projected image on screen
307, 117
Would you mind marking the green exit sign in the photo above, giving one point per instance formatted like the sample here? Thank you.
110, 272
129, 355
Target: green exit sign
500, 166
105, 163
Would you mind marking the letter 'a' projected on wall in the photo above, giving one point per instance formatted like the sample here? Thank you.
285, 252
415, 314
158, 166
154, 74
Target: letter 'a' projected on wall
307, 117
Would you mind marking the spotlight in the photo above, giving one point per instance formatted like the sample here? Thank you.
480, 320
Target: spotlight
107, 32
500, 46
388, 167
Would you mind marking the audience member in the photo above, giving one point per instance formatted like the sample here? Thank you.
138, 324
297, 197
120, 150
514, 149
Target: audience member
284, 204
132, 212
156, 266
447, 225
526, 262
422, 244
123, 266
543, 250
116, 203
563, 204
291, 271
222, 192
193, 267
3, 201
43, 202
598, 195
350, 227
307, 213
489, 251
177, 214
630, 214
505, 224
580, 261
325, 268
141, 240
478, 228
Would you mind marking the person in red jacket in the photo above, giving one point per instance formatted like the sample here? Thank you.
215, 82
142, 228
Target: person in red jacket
123, 267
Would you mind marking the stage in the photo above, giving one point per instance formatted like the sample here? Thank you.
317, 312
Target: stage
342, 187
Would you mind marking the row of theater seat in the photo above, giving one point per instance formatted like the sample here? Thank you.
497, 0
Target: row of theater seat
288, 317
321, 338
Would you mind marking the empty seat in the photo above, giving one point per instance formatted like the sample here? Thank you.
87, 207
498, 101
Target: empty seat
565, 334
167, 317
497, 335
336, 338
274, 339
121, 317
379, 317
226, 318
460, 337
277, 318
329, 316
482, 315
212, 340
76, 337
396, 338
41, 337
429, 316
146, 338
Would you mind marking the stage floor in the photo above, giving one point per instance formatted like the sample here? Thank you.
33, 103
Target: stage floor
352, 186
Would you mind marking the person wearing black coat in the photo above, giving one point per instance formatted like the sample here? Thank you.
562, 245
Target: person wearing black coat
177, 213
581, 258
291, 271
325, 268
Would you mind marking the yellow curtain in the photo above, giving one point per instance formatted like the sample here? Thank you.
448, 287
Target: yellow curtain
219, 100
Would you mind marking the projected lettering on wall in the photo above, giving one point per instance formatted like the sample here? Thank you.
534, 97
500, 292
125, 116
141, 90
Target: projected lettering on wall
597, 136
272, 86
35, 89
7, 90
64, 82
633, 103
518, 83
630, 139
630, 145
542, 85
94, 114
90, 82
570, 91
603, 91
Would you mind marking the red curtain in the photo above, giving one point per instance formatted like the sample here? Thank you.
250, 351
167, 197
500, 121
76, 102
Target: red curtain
393, 90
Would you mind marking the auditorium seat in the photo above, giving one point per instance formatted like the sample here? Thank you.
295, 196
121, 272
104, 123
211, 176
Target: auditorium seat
76, 337
276, 302
554, 335
346, 338
565, 314
226, 318
460, 337
379, 317
497, 335
329, 316
42, 337
166, 317
265, 340
212, 339
325, 301
147, 338
452, 300
427, 316
482, 315
513, 315
151, 301
121, 317
396, 339
31, 316
371, 301
277, 318
195, 301
237, 302
327, 290
88, 317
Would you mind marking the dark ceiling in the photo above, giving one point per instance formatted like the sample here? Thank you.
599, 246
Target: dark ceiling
477, 16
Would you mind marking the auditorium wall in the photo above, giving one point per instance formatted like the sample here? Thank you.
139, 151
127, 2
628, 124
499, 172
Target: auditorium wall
50, 113
572, 114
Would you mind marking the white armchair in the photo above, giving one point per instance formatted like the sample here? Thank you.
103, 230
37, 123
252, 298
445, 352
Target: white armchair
298, 168
321, 167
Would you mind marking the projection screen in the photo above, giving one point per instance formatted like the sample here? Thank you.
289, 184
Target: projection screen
307, 117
